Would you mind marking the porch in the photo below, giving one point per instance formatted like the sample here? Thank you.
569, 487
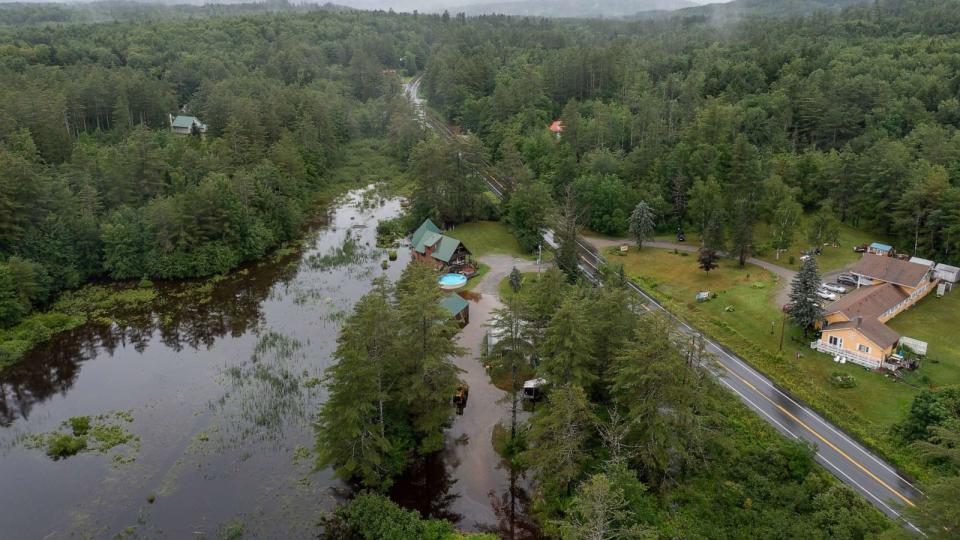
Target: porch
847, 355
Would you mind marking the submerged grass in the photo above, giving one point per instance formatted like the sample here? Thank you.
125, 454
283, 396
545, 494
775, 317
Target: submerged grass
350, 252
270, 391
99, 434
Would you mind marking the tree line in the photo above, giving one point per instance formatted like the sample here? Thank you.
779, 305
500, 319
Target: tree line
754, 134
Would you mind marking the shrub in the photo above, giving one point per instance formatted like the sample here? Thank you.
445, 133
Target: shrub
80, 425
842, 380
370, 517
63, 445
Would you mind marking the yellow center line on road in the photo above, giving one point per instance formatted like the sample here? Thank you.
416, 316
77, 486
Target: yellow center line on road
818, 436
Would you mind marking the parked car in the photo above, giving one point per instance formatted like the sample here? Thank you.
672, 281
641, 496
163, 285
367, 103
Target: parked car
849, 279
862, 248
835, 287
826, 295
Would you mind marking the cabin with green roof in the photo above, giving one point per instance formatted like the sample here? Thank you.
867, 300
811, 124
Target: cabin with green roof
430, 245
187, 125
458, 307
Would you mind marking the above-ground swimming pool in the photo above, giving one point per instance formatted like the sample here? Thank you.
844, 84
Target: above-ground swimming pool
452, 281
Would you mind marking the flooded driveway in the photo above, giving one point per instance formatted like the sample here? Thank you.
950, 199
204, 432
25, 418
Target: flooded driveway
218, 389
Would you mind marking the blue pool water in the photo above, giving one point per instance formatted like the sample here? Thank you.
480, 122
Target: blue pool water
452, 280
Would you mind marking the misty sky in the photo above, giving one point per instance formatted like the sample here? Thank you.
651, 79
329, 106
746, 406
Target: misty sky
396, 5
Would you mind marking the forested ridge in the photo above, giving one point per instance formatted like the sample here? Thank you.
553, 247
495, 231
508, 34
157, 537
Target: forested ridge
850, 115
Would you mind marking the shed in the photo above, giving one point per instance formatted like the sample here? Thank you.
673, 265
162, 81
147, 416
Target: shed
950, 274
879, 249
458, 307
925, 262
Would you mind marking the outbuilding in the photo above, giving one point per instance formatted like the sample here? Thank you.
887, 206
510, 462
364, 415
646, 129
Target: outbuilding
945, 272
458, 307
879, 249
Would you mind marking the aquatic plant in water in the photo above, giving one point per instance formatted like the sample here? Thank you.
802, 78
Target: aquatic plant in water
350, 252
85, 433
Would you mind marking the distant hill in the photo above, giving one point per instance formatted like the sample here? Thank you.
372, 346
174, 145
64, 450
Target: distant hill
573, 8
739, 9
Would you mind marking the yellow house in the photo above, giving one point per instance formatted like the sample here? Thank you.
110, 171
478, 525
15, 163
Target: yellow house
853, 329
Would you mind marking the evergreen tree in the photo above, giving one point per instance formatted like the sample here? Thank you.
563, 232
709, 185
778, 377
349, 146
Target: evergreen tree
805, 306
516, 280
425, 349
567, 348
511, 351
360, 430
557, 439
661, 389
642, 223
566, 234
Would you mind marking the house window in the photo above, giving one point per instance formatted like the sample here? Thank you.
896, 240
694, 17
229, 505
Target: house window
835, 341
863, 348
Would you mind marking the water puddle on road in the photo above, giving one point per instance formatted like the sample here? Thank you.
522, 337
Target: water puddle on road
221, 395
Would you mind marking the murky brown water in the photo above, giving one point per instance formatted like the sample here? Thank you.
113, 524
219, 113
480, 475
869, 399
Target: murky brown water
222, 390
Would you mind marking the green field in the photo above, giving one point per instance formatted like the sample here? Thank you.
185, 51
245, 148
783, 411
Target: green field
485, 237
832, 258
935, 320
744, 316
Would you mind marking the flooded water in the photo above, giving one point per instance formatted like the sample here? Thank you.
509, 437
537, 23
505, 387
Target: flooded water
220, 389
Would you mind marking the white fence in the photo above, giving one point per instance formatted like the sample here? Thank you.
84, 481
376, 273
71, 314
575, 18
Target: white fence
849, 356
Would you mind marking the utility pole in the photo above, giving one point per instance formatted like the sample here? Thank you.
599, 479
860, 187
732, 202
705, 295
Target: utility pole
783, 325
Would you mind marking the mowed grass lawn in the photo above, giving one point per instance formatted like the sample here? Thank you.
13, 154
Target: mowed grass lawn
832, 258
936, 321
485, 237
744, 316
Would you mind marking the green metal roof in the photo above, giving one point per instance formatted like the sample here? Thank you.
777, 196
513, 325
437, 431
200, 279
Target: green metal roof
454, 304
184, 121
445, 248
426, 227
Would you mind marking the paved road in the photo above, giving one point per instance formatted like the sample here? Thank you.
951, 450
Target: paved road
839, 453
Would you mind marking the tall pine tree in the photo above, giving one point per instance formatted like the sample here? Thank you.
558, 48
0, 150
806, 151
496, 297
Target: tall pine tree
806, 309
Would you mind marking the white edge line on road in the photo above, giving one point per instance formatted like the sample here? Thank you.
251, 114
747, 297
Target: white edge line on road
759, 378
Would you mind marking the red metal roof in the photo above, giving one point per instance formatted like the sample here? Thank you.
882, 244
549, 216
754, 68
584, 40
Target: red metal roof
557, 126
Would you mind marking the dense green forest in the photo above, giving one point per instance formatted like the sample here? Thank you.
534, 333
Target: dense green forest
850, 115
93, 184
